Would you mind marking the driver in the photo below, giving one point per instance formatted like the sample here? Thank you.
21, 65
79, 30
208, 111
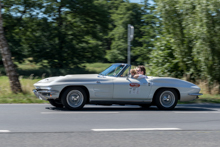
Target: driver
141, 71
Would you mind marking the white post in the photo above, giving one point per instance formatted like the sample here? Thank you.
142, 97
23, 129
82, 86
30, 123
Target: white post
130, 38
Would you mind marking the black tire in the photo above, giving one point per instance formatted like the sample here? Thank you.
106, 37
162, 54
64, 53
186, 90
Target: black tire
74, 98
56, 103
166, 99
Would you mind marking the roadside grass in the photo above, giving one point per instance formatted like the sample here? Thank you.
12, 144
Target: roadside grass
208, 98
214, 97
6, 96
31, 73
205, 98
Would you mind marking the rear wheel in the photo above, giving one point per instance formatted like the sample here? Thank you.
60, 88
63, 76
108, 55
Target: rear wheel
74, 98
166, 99
56, 103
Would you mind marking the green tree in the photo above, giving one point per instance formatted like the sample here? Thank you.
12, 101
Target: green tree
7, 60
69, 35
13, 15
193, 27
147, 35
162, 59
140, 16
63, 33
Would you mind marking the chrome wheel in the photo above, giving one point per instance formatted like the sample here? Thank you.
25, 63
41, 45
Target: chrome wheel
167, 99
75, 98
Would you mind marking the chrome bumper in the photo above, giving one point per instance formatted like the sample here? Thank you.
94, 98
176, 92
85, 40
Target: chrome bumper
195, 94
46, 94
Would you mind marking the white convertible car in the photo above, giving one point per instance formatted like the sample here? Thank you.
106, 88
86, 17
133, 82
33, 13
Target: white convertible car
114, 86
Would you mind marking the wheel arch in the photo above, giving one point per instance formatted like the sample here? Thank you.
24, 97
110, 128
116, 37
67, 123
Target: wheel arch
166, 88
81, 86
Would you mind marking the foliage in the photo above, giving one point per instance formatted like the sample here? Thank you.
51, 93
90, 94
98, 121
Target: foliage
193, 28
14, 13
65, 33
178, 38
147, 34
163, 61
140, 16
76, 32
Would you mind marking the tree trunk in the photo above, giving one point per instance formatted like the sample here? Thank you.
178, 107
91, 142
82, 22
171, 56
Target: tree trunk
7, 60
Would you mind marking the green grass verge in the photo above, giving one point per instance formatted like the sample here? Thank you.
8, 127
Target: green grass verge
6, 96
206, 98
20, 98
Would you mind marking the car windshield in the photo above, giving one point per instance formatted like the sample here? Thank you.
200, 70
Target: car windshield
113, 70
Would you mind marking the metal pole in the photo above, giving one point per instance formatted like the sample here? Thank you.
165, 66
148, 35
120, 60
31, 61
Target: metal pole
130, 38
129, 45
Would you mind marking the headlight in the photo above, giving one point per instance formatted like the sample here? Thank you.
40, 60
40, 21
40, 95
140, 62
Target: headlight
48, 88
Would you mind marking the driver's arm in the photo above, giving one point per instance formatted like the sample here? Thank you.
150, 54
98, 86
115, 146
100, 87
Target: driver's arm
136, 76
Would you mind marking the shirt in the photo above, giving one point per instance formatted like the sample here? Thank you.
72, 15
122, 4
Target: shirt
142, 76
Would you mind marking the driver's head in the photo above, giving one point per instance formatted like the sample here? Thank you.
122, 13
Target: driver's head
141, 70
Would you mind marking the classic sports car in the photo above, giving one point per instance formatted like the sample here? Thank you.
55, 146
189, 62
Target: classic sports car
114, 86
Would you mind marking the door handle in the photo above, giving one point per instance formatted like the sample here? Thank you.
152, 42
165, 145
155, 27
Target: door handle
98, 82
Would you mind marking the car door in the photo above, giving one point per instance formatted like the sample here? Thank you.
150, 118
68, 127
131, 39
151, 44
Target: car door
131, 89
103, 88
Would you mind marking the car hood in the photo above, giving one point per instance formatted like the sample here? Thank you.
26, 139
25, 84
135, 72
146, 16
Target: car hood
70, 78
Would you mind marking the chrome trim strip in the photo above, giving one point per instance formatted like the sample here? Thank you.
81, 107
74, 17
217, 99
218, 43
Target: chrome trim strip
48, 91
195, 94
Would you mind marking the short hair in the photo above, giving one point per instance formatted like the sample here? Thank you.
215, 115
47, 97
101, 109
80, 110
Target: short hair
142, 68
133, 71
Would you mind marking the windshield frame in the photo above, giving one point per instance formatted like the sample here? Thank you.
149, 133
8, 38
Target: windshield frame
119, 73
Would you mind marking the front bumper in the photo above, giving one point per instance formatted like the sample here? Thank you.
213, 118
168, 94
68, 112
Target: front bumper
46, 94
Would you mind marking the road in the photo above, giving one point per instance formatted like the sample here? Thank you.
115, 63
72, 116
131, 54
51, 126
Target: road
34, 125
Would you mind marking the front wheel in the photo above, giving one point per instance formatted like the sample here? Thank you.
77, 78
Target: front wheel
74, 98
166, 99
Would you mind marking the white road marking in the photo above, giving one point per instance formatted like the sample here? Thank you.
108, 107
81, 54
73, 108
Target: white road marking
197, 112
79, 112
4, 131
138, 129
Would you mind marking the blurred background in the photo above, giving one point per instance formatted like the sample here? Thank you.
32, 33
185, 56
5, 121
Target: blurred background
174, 38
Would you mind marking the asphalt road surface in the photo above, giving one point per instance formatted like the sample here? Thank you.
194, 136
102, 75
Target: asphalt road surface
42, 125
